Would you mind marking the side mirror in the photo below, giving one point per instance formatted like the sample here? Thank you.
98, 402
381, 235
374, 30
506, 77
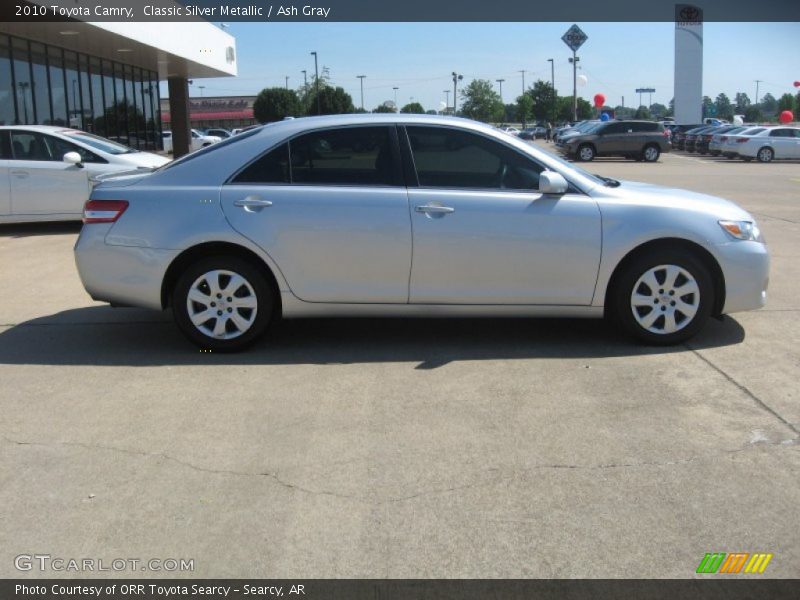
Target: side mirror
553, 183
73, 158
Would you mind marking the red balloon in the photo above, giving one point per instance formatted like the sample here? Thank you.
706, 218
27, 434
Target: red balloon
797, 84
599, 100
786, 117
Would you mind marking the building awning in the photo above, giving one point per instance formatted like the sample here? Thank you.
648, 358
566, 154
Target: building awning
247, 113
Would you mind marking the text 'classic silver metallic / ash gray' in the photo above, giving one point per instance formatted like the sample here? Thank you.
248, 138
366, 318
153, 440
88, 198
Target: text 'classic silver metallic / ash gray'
394, 215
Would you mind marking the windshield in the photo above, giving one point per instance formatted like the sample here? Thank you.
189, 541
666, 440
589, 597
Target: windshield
213, 147
97, 142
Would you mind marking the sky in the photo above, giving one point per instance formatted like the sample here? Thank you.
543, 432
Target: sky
419, 58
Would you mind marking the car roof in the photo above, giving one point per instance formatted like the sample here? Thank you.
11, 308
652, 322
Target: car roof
42, 128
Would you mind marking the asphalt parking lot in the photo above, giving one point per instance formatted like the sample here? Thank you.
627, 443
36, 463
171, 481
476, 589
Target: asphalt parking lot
397, 448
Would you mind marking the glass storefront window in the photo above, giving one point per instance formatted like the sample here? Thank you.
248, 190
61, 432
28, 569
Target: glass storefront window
58, 88
73, 89
98, 103
107, 125
85, 88
22, 80
7, 100
40, 85
120, 105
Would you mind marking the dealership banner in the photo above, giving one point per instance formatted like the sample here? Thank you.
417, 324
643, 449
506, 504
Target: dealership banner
421, 589
405, 11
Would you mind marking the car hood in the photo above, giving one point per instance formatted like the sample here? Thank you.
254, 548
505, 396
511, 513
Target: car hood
658, 196
143, 159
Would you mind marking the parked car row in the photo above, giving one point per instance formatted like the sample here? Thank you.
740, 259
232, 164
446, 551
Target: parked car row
764, 143
199, 140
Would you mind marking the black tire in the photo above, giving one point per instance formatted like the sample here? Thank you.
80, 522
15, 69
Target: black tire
261, 288
765, 155
586, 153
651, 153
622, 310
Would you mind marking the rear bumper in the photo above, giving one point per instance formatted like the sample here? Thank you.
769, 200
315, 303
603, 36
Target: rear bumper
125, 275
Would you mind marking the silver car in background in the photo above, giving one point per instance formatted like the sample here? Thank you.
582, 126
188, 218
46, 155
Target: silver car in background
410, 215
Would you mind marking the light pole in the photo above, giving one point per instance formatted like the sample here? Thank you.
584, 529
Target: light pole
500, 81
757, 82
395, 96
553, 86
574, 60
286, 77
316, 81
305, 78
523, 80
446, 100
201, 88
456, 79
361, 77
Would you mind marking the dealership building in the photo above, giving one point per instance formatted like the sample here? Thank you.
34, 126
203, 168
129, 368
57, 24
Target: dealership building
103, 77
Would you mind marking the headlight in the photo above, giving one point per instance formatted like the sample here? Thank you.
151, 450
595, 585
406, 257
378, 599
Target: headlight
743, 230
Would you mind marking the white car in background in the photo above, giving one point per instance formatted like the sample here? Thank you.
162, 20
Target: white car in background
198, 140
47, 172
730, 147
773, 143
718, 140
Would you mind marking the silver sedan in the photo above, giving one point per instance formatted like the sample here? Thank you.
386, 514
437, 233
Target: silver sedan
395, 215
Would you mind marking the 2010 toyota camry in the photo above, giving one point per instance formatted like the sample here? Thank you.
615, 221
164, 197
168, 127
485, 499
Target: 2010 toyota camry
395, 215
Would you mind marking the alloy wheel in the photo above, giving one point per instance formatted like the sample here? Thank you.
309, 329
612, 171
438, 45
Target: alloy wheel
222, 304
665, 299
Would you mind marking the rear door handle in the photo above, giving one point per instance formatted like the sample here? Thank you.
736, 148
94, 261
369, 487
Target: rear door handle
251, 204
433, 209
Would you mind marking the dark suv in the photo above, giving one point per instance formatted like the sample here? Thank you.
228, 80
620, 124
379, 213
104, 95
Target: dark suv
641, 140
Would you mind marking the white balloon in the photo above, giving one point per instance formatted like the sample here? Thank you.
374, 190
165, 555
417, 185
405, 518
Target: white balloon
582, 80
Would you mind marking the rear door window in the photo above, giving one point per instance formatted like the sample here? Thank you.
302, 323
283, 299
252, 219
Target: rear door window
344, 156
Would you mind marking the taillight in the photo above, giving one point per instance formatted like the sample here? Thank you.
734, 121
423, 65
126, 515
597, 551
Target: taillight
708, 137
103, 211
741, 140
724, 138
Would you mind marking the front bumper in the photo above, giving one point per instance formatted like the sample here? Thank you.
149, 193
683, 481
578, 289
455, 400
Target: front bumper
128, 275
745, 267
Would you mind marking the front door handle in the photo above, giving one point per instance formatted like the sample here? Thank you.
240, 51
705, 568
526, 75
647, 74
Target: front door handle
20, 174
251, 204
433, 209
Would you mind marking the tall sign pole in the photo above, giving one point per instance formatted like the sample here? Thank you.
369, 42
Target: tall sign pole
574, 39
688, 64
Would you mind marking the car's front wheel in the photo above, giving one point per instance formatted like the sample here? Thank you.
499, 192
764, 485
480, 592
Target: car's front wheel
586, 153
222, 303
663, 297
651, 153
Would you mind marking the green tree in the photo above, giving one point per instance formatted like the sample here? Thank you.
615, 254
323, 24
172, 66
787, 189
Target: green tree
414, 108
741, 101
768, 104
510, 113
543, 96
381, 108
624, 112
307, 92
481, 102
642, 113
658, 110
724, 107
708, 107
273, 104
786, 102
671, 111
752, 114
332, 101
524, 109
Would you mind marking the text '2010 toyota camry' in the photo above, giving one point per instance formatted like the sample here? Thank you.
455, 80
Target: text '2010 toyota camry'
395, 215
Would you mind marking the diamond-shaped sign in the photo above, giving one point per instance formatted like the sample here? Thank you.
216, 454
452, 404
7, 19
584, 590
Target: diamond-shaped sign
574, 38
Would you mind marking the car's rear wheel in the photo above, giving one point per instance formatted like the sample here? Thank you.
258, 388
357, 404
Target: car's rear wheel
663, 297
222, 303
766, 155
651, 153
586, 153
